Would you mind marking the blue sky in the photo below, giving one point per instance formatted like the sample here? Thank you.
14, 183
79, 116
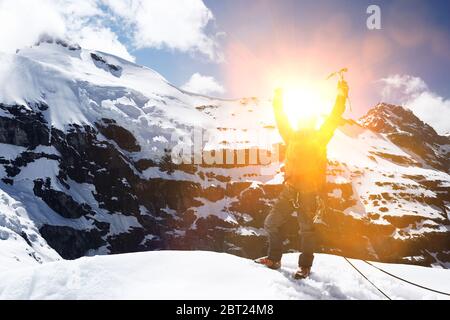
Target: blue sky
237, 48
414, 42
241, 21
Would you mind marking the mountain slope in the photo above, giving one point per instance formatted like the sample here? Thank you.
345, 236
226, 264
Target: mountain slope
20, 241
87, 139
403, 128
208, 275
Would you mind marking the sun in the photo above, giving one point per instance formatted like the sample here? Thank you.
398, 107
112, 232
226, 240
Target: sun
305, 102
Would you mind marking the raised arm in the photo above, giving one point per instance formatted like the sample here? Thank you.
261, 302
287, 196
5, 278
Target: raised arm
332, 122
280, 116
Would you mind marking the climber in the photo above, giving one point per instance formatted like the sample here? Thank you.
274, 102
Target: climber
304, 181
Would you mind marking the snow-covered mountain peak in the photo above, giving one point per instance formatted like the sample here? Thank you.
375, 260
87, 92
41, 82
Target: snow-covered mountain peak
406, 130
65, 43
389, 118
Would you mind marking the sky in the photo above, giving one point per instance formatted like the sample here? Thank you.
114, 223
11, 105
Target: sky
239, 48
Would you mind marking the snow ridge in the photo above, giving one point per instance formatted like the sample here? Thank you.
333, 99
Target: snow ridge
157, 275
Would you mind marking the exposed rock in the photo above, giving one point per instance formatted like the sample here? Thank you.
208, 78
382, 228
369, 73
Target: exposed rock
124, 138
101, 63
24, 129
71, 243
409, 132
60, 202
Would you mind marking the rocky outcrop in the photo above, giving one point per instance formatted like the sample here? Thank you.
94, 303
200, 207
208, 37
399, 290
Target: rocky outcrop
60, 202
406, 130
71, 243
25, 128
101, 63
171, 213
124, 138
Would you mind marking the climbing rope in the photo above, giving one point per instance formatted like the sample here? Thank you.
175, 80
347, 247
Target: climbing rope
404, 280
393, 276
362, 274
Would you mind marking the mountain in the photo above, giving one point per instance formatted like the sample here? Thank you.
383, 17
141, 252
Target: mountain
209, 275
86, 142
407, 131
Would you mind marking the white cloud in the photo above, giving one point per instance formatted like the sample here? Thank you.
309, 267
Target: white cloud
83, 8
413, 92
23, 21
434, 110
404, 85
203, 85
173, 24
101, 39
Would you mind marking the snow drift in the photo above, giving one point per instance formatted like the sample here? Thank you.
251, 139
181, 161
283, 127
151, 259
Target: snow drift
208, 275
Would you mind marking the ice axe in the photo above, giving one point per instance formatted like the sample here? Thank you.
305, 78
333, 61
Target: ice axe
340, 74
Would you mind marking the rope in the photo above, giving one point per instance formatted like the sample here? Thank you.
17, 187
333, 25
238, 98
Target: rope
394, 276
384, 294
404, 280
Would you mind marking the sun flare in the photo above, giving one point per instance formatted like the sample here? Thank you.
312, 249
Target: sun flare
306, 102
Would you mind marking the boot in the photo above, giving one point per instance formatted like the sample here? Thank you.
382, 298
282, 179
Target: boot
269, 263
302, 273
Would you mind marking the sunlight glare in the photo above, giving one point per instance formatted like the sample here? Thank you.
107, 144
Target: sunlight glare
306, 102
